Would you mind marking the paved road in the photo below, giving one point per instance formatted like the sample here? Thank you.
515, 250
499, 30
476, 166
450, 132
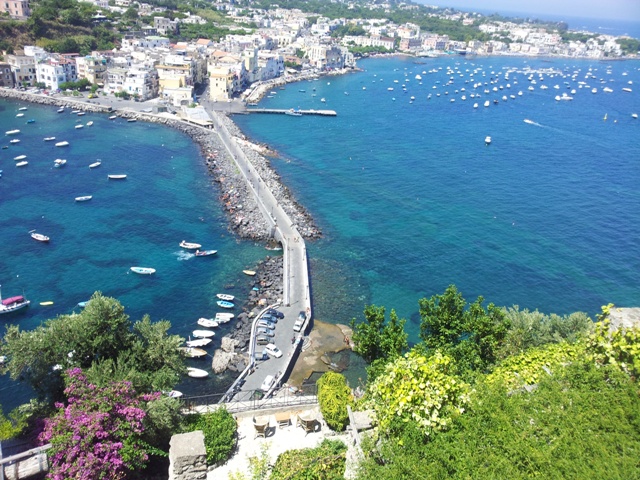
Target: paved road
296, 294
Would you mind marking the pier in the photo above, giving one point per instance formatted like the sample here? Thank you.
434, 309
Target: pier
293, 112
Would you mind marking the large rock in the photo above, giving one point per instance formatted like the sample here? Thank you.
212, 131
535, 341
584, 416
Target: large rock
229, 344
221, 361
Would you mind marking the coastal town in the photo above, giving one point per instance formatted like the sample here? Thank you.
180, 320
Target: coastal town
154, 61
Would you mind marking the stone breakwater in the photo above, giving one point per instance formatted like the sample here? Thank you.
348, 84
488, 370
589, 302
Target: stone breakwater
245, 218
232, 353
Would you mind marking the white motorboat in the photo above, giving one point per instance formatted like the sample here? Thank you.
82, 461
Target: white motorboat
89, 123
193, 352
224, 296
14, 141
487, 140
38, 236
117, 177
22, 164
84, 198
95, 164
19, 157
189, 245
223, 317
12, 132
62, 144
12, 304
77, 127
197, 372
49, 139
143, 270
207, 322
203, 334
59, 162
200, 342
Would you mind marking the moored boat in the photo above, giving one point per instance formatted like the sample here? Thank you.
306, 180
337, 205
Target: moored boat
117, 177
189, 245
203, 333
38, 236
14, 141
197, 372
22, 164
143, 270
223, 317
225, 304
487, 140
95, 164
49, 139
205, 253
207, 323
251, 273
89, 123
77, 127
84, 198
19, 157
13, 304
62, 144
113, 117
174, 393
225, 296
59, 162
193, 352
200, 342
12, 132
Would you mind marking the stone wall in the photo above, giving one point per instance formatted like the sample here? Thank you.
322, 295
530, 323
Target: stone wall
187, 457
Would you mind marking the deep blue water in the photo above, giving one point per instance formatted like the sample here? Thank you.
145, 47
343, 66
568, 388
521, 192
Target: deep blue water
411, 199
166, 198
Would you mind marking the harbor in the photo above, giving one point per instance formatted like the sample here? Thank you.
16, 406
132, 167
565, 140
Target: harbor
291, 111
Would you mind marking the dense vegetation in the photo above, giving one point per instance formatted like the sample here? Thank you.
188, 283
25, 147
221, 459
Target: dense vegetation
325, 462
333, 396
490, 392
220, 433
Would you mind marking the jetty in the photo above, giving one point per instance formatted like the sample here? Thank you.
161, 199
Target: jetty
289, 111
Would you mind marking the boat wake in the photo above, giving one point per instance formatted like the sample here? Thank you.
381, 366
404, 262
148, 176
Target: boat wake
183, 255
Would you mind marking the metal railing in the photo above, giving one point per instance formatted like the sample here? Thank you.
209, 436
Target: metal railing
246, 400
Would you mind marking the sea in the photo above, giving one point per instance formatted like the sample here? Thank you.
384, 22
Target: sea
402, 182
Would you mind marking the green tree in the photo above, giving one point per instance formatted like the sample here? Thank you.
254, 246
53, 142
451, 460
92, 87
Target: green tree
333, 396
374, 339
472, 335
103, 341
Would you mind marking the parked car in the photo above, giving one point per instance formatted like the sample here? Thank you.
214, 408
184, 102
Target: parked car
264, 332
268, 382
265, 324
269, 318
262, 340
275, 313
272, 350
297, 326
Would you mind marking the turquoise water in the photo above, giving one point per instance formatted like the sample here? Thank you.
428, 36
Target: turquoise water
411, 199
167, 197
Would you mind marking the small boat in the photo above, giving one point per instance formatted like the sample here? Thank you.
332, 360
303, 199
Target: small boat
46, 304
89, 123
20, 115
113, 117
85, 198
80, 114
200, 342
323, 100
49, 139
131, 120
189, 246
61, 110
83, 304
143, 270
12, 132
59, 162
38, 236
526, 120
251, 273
13, 304
14, 141
626, 89
634, 115
205, 253
19, 157
207, 323
226, 297
193, 352
203, 333
75, 111
174, 393
293, 113
225, 304
223, 317
62, 144
95, 164
197, 372
22, 164
117, 177
487, 140
31, 120
77, 127
22, 109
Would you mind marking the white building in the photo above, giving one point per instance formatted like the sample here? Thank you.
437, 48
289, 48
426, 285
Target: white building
56, 71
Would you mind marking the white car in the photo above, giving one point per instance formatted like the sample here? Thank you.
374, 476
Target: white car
273, 350
268, 382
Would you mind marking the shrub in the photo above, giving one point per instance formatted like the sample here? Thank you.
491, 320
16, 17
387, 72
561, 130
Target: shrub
333, 396
325, 462
219, 430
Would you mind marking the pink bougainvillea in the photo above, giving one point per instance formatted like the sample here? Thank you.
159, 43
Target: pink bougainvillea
97, 434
